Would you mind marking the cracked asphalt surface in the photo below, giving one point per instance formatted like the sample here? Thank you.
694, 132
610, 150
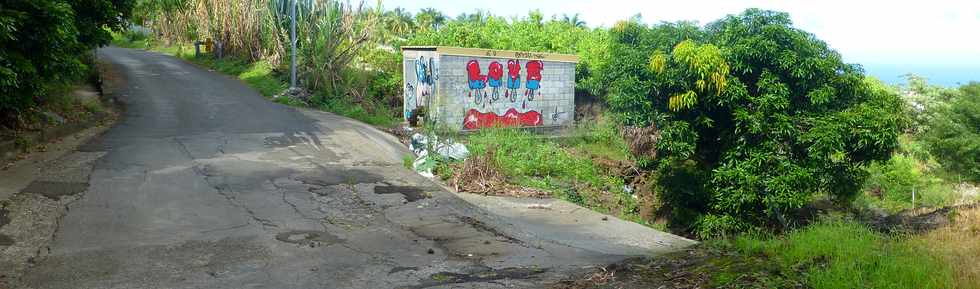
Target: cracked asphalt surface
206, 184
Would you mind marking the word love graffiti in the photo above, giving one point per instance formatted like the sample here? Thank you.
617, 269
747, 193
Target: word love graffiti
478, 82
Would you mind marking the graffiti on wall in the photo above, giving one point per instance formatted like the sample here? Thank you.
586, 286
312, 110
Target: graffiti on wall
513, 79
495, 78
477, 82
410, 100
417, 92
424, 76
474, 119
534, 68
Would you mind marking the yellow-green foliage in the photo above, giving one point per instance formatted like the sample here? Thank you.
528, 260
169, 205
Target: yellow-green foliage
704, 62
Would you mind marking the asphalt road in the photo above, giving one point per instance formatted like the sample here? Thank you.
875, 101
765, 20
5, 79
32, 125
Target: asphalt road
206, 184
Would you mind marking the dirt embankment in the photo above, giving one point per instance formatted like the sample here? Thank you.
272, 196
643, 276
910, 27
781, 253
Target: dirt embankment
65, 112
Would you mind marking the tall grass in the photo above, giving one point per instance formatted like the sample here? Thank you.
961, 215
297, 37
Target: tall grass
538, 162
241, 26
837, 253
958, 245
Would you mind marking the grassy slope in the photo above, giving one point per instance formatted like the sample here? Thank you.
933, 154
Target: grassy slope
561, 167
836, 253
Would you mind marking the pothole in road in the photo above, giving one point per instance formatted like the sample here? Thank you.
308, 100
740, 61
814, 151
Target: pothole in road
55, 190
289, 140
411, 193
330, 176
308, 238
5, 240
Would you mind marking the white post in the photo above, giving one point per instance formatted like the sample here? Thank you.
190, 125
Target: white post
913, 197
292, 41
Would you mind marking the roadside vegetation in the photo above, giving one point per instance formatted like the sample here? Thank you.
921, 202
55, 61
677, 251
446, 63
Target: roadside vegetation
793, 167
46, 48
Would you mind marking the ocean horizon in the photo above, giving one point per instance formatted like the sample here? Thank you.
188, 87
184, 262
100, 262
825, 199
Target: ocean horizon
944, 75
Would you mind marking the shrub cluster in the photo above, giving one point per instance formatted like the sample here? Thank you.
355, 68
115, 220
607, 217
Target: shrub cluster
953, 132
756, 116
45, 42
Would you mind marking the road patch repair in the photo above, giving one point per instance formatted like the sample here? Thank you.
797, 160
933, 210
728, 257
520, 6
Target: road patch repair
30, 216
55, 190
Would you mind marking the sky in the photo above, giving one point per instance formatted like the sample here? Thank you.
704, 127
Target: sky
936, 38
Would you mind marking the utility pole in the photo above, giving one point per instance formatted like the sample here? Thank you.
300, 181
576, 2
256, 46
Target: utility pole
292, 41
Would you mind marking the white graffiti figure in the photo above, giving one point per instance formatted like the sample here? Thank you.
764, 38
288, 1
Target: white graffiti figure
423, 75
410, 100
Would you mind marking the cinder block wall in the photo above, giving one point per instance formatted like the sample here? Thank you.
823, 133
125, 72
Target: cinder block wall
461, 103
554, 102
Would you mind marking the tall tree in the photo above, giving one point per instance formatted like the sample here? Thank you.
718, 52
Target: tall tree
756, 117
573, 20
399, 21
430, 19
478, 17
953, 134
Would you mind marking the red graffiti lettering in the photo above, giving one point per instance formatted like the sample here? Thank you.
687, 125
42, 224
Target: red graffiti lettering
476, 120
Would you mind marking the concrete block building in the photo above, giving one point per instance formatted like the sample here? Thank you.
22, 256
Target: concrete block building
469, 89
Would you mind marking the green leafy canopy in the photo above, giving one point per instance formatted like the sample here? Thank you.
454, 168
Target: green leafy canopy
757, 117
44, 42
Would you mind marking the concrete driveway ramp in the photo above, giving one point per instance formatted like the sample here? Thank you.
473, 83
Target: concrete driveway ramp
572, 225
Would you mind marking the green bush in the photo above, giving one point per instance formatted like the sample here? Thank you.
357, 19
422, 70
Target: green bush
890, 184
756, 116
953, 135
44, 43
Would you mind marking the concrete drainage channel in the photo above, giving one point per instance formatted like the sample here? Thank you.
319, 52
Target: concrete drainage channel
476, 274
4, 220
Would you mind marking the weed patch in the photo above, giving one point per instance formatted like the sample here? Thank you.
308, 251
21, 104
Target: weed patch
838, 253
535, 165
911, 171
958, 246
